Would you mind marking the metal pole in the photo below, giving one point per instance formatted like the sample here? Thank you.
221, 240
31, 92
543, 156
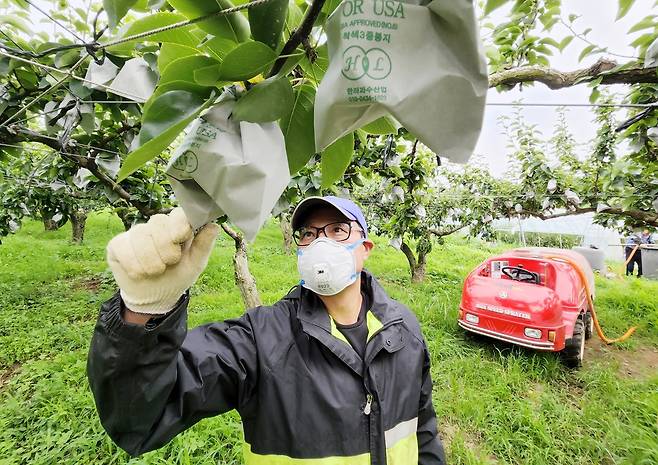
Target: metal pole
521, 231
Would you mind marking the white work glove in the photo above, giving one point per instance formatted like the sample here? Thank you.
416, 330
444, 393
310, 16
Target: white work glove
156, 262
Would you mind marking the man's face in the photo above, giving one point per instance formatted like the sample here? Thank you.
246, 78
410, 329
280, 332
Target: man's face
645, 232
327, 215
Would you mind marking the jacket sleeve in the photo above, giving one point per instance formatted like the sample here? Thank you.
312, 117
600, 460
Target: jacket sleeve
430, 448
152, 382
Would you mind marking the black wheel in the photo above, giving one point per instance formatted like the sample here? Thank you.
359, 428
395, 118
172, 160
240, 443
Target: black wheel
574, 349
589, 325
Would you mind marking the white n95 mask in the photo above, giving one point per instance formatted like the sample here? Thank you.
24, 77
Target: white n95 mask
326, 266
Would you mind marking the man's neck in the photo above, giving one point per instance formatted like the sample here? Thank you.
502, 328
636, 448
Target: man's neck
345, 306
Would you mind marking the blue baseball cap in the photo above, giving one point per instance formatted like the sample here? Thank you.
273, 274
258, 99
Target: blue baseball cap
346, 207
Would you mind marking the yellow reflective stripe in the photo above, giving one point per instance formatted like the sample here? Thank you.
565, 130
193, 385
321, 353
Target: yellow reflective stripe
404, 452
400, 431
335, 332
373, 323
251, 458
401, 449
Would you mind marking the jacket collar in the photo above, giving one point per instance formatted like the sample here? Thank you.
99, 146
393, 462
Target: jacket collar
316, 322
312, 310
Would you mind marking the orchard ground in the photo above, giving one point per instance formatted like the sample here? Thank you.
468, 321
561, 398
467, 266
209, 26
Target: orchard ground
496, 404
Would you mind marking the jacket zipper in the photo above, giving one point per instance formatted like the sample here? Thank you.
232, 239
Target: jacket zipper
366, 408
369, 397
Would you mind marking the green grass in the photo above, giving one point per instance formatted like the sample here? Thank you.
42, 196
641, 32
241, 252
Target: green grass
495, 403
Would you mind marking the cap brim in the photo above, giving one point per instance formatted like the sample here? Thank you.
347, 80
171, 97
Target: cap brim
311, 203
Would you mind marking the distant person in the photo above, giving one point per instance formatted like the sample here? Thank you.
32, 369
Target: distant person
336, 372
646, 237
633, 252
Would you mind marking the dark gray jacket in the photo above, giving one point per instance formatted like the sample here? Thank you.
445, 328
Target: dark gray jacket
300, 388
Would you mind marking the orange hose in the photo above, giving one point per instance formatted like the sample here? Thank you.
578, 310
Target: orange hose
588, 292
630, 257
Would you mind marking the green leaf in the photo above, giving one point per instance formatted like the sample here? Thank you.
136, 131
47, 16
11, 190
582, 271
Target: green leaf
329, 6
27, 78
234, 26
586, 51
646, 23
543, 49
292, 61
192, 87
551, 42
267, 22
565, 42
624, 6
182, 35
267, 101
15, 21
594, 96
643, 40
318, 68
397, 171
336, 158
79, 90
6, 66
117, 9
491, 5
219, 47
381, 126
170, 52
169, 114
66, 58
207, 76
298, 129
295, 15
182, 69
245, 61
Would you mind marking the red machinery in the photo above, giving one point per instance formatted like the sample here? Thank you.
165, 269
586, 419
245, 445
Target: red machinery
533, 297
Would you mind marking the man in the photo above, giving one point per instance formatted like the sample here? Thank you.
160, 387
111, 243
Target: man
633, 255
336, 372
633, 252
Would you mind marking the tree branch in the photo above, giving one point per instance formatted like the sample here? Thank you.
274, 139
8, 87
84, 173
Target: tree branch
639, 215
232, 233
447, 232
555, 79
26, 135
300, 35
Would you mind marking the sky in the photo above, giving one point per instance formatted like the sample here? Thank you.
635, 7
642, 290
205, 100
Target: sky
606, 32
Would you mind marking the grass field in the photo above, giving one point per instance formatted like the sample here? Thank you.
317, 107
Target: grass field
496, 404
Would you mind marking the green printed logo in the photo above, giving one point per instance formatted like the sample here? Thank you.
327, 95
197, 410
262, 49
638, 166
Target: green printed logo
374, 63
187, 162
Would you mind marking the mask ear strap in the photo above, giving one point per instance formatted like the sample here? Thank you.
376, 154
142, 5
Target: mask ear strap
355, 245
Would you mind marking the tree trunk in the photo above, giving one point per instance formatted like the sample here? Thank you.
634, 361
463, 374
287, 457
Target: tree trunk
50, 225
416, 265
418, 273
243, 277
78, 222
286, 230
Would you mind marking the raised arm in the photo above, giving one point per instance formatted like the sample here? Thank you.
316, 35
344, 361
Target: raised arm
152, 382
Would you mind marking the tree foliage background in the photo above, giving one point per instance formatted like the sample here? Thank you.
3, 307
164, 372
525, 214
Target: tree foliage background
89, 110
